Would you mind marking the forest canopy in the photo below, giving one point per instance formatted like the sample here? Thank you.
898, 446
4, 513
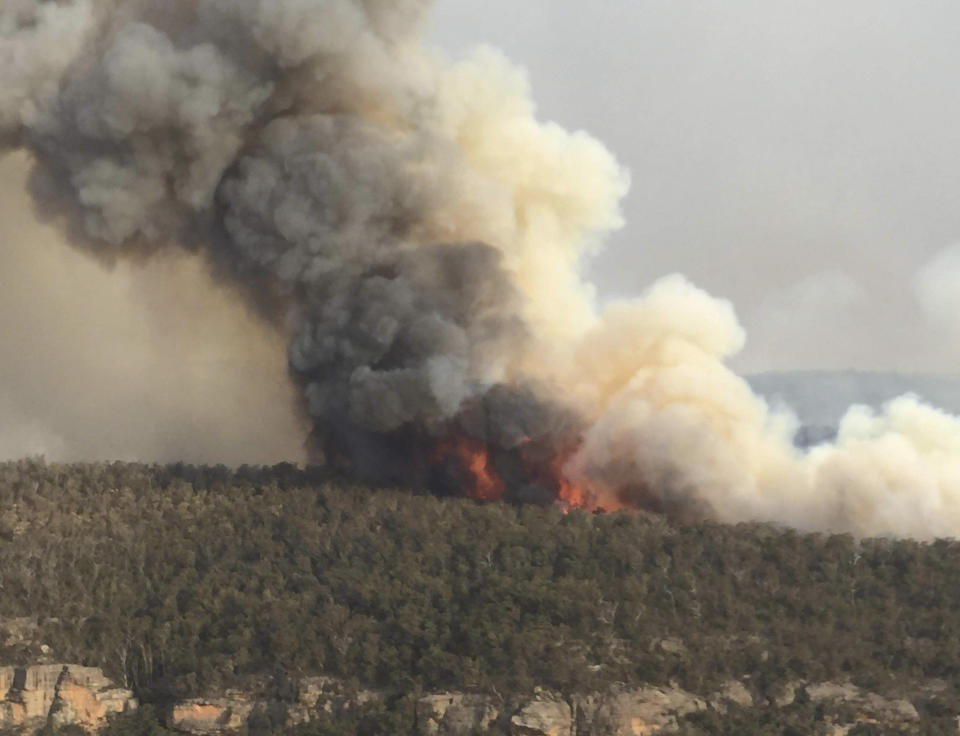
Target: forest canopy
182, 580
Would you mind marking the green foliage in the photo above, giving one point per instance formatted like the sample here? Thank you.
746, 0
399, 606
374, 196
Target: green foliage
181, 580
143, 722
376, 718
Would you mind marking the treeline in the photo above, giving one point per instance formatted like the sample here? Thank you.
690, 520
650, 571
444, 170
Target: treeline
181, 581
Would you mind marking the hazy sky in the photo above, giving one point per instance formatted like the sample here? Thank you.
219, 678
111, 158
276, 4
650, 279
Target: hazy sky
800, 158
130, 363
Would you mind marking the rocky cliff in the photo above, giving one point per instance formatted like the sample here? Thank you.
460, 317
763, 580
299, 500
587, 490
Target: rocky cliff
650, 710
641, 711
59, 695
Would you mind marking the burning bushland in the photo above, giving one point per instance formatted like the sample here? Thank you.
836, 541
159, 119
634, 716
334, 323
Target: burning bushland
417, 235
358, 188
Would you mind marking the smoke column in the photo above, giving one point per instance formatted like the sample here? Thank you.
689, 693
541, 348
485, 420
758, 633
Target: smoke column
418, 234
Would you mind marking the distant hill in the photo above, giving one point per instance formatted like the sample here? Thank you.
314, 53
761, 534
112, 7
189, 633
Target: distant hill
385, 613
820, 398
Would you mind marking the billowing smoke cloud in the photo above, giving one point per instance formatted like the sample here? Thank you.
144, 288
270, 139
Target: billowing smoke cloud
418, 234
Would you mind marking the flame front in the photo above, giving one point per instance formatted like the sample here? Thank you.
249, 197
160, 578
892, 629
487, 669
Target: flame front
479, 477
475, 470
487, 485
572, 494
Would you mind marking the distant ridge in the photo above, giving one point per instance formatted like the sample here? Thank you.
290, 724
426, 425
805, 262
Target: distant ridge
820, 398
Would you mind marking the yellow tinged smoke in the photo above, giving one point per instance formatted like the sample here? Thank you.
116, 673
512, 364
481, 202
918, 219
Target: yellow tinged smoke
563, 189
668, 421
150, 363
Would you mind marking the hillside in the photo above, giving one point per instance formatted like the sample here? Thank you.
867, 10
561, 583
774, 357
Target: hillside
184, 582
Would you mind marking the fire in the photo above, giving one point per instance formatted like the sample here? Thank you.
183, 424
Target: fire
572, 495
483, 481
531, 470
569, 494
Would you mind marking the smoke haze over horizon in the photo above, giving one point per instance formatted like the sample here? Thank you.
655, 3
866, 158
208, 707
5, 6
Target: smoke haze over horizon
303, 196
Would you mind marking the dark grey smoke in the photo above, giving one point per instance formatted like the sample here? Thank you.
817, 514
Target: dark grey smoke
293, 143
402, 344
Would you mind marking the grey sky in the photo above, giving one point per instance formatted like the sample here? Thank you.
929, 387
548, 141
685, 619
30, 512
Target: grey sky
800, 158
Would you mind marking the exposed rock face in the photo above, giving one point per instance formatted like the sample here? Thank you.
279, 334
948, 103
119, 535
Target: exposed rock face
318, 695
35, 687
61, 695
870, 707
646, 711
213, 715
310, 696
546, 716
733, 692
787, 694
12, 715
78, 705
454, 714
650, 710
311, 699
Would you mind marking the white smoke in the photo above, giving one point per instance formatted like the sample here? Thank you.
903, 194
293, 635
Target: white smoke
681, 429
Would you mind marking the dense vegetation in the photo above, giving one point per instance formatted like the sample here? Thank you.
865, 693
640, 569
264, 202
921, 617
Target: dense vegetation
181, 580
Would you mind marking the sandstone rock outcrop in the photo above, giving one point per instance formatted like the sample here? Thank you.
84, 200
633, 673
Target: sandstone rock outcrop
316, 696
548, 715
645, 711
733, 692
454, 714
650, 710
211, 715
787, 694
59, 695
301, 702
869, 707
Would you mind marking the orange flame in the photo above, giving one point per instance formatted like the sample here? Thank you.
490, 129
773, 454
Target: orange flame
484, 483
545, 467
550, 474
572, 494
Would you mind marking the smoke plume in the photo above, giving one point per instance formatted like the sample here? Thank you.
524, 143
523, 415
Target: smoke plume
418, 236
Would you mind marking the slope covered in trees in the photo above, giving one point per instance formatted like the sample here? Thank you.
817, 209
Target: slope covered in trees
180, 581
